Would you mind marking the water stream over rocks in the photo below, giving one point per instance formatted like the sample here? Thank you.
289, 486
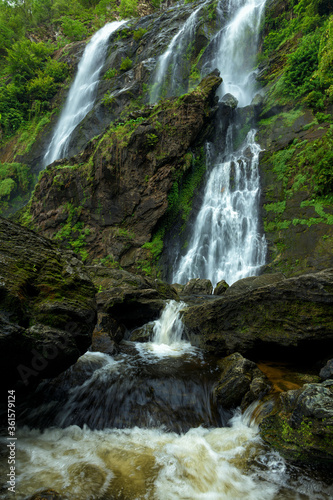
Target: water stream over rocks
226, 242
143, 424
82, 93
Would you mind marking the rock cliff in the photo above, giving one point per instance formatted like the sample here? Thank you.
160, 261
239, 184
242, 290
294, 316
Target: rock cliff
47, 306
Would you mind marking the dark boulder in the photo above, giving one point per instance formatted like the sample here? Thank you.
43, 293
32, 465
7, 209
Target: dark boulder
197, 286
288, 318
299, 424
221, 287
127, 301
327, 371
47, 306
240, 383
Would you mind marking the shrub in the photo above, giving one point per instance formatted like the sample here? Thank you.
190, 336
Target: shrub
73, 29
126, 64
128, 8
42, 88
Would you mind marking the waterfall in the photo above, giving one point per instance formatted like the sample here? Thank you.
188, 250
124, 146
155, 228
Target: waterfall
226, 243
170, 63
166, 339
234, 49
82, 93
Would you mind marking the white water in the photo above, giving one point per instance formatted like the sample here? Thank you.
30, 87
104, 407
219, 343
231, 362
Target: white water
167, 334
82, 93
142, 463
229, 463
225, 242
173, 59
235, 49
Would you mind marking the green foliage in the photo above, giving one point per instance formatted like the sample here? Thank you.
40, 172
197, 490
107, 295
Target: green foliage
73, 28
138, 34
128, 8
301, 65
6, 187
151, 140
110, 73
25, 58
126, 64
73, 233
15, 182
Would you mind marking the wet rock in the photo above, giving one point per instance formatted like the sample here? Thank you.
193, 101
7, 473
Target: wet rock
327, 371
300, 423
288, 318
119, 188
230, 100
198, 286
143, 334
221, 287
127, 301
48, 494
253, 282
47, 306
240, 382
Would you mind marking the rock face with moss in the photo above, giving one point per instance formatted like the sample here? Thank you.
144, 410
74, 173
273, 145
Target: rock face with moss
300, 425
289, 318
47, 306
126, 301
240, 382
107, 202
295, 132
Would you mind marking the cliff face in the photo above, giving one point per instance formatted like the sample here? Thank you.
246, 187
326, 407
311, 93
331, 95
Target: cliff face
135, 179
107, 201
295, 132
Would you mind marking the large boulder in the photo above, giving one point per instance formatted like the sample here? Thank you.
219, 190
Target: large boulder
118, 187
127, 301
47, 306
300, 423
240, 382
197, 286
288, 318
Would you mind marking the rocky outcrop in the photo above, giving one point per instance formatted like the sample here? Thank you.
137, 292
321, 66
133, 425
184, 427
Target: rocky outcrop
327, 371
240, 383
197, 286
125, 302
117, 189
300, 424
289, 318
221, 287
47, 306
295, 135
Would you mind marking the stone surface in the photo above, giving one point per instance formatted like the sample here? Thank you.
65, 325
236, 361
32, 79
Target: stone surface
127, 301
300, 423
47, 306
327, 371
221, 287
117, 189
288, 318
197, 286
240, 383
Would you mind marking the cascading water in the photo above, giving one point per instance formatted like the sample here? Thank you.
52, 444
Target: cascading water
170, 63
141, 425
82, 93
226, 243
144, 424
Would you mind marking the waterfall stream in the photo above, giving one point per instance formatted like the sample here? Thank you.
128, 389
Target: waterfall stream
144, 423
226, 242
82, 93
141, 425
